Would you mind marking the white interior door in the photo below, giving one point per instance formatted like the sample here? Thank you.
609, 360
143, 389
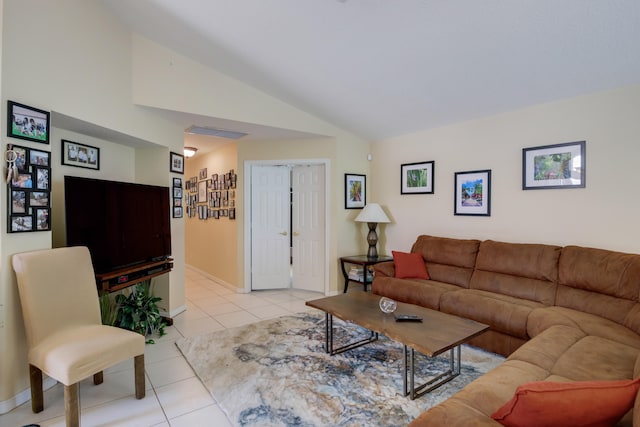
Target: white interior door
308, 227
270, 225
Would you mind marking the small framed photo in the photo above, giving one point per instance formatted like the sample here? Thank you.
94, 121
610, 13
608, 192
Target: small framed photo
38, 158
554, 166
20, 223
177, 211
42, 179
355, 191
42, 219
202, 174
176, 163
417, 178
202, 191
23, 180
29, 123
177, 202
80, 155
177, 182
18, 202
21, 161
472, 193
39, 198
177, 192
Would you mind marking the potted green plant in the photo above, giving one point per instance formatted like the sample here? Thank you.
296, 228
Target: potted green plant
138, 311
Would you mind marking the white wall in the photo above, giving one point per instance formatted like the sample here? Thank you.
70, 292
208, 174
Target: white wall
604, 214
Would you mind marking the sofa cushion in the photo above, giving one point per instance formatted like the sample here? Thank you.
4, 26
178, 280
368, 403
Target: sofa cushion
409, 266
502, 313
580, 404
545, 349
474, 404
448, 260
542, 318
596, 358
425, 293
528, 271
600, 282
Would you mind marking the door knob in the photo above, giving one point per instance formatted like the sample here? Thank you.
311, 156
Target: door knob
283, 233
295, 233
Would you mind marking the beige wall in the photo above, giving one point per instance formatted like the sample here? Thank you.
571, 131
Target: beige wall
603, 214
213, 243
83, 71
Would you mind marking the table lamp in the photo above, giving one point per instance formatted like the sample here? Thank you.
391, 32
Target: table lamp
372, 214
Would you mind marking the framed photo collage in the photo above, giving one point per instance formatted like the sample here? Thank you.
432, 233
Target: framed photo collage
29, 190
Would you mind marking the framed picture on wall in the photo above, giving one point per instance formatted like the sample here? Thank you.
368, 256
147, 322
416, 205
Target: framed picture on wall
202, 192
554, 166
29, 123
29, 190
176, 163
355, 191
472, 193
80, 155
417, 178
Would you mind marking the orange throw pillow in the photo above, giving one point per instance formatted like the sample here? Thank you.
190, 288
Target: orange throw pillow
409, 265
581, 403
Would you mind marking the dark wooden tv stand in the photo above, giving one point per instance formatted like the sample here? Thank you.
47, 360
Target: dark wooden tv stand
129, 276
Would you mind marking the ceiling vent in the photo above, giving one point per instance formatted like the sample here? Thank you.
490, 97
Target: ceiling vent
220, 133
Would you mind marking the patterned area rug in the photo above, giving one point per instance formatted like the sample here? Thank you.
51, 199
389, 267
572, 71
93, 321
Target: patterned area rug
276, 373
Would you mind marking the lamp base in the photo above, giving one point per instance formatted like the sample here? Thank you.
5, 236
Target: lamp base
372, 239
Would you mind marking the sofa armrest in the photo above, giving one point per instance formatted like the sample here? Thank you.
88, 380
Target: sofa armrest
385, 269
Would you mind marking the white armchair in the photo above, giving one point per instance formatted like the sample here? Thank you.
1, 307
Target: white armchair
65, 336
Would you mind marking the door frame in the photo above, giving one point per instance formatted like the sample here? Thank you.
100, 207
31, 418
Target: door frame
248, 165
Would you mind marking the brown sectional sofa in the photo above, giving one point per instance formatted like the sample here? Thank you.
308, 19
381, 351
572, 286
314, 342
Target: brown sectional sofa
559, 313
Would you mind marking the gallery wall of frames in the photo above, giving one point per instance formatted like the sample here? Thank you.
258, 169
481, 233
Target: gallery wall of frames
211, 197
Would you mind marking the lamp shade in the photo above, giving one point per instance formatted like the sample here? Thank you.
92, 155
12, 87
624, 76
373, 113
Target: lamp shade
372, 213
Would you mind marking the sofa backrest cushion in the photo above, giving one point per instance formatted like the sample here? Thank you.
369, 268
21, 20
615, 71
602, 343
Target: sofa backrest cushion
448, 260
521, 270
601, 282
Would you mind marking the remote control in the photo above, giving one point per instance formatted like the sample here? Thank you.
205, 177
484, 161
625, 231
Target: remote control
408, 318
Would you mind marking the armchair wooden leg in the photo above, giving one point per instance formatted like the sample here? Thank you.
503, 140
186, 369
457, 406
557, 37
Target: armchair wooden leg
72, 405
139, 376
98, 378
37, 396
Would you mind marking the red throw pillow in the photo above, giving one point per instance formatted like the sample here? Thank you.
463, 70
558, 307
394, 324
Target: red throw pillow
409, 265
582, 403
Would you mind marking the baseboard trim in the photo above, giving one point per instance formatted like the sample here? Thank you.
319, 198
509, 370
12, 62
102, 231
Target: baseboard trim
218, 280
24, 396
173, 313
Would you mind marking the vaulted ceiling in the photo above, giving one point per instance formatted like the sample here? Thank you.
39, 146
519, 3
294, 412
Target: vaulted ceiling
382, 68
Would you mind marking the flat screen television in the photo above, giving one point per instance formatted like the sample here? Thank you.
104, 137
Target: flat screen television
122, 224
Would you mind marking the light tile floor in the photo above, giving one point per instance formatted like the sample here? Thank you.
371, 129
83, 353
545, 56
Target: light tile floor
175, 397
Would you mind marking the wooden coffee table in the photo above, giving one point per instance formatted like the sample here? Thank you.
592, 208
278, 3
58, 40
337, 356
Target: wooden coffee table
437, 333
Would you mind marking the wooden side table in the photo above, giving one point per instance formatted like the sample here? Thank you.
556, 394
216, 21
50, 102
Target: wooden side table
365, 262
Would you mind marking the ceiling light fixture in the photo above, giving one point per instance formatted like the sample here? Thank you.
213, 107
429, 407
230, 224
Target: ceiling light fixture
190, 151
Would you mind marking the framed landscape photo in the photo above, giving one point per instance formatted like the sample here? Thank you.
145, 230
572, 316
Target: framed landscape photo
472, 193
29, 123
80, 155
554, 166
176, 163
417, 178
355, 191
